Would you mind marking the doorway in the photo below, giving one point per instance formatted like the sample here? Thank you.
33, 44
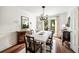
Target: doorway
52, 25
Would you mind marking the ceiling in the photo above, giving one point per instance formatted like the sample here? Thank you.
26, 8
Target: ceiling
50, 10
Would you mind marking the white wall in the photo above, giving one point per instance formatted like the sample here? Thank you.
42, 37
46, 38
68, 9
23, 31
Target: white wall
10, 21
78, 29
32, 19
73, 13
62, 21
63, 18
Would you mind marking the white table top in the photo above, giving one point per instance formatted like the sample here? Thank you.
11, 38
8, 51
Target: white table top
42, 35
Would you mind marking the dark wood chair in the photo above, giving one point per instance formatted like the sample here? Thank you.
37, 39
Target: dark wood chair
49, 42
32, 45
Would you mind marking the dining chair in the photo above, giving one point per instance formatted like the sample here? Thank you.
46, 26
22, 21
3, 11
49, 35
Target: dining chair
49, 42
32, 45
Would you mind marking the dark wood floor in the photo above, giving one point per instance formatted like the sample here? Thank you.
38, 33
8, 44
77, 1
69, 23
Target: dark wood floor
61, 48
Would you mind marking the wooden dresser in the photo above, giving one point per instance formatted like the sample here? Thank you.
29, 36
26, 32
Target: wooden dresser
20, 36
66, 36
66, 39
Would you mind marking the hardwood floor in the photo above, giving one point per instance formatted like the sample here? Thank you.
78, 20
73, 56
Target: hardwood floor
14, 49
60, 48
57, 47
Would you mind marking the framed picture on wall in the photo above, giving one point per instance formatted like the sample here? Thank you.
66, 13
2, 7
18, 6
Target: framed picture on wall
68, 22
24, 22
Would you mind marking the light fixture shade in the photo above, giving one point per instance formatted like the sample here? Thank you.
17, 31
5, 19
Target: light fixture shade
43, 17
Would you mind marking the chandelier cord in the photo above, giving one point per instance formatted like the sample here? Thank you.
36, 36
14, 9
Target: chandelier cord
43, 11
43, 17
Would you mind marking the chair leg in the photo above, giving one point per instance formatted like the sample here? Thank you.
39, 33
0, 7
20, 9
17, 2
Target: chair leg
41, 48
34, 46
50, 48
26, 49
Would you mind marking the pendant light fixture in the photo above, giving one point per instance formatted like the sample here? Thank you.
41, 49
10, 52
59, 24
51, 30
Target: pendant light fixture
43, 16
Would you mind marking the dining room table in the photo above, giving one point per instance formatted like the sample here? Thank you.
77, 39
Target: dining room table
42, 36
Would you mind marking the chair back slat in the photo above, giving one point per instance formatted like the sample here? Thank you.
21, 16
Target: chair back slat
30, 42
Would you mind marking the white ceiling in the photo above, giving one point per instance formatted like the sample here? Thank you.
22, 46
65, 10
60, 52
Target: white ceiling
50, 10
